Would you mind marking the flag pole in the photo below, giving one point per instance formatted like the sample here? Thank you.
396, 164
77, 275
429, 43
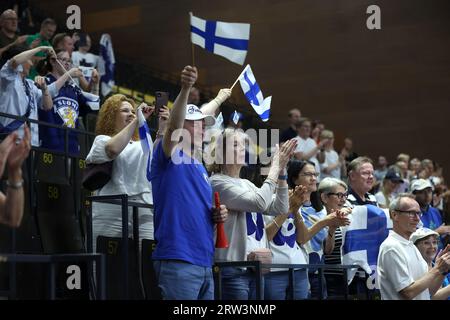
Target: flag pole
192, 44
193, 55
246, 67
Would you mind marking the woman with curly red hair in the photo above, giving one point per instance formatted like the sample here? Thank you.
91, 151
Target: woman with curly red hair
117, 139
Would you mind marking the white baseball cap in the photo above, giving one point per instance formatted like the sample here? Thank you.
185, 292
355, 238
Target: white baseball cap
420, 184
422, 233
194, 113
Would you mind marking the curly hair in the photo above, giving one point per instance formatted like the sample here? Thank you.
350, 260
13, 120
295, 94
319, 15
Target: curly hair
107, 116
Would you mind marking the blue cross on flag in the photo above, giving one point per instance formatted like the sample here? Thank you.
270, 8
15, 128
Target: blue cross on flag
361, 240
229, 40
254, 95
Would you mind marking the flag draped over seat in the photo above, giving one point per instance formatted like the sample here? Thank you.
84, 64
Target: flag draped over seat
254, 95
361, 239
229, 40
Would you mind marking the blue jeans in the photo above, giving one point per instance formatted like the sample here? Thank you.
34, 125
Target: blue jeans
239, 284
276, 285
179, 280
315, 286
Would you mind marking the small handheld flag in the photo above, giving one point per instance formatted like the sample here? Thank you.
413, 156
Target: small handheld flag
254, 95
229, 40
146, 139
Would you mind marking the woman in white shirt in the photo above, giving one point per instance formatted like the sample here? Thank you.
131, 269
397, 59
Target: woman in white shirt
117, 140
294, 240
246, 203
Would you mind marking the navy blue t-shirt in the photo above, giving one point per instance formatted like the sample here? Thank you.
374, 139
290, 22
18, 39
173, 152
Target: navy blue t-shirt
182, 197
66, 108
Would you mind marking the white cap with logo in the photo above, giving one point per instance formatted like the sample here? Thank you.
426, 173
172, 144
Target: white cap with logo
422, 233
194, 113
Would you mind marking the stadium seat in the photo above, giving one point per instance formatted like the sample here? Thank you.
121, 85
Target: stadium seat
152, 291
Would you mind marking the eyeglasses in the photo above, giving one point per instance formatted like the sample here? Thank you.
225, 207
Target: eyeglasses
411, 214
310, 174
367, 173
340, 195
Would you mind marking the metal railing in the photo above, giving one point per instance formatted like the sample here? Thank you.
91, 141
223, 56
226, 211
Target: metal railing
52, 260
257, 266
51, 125
123, 201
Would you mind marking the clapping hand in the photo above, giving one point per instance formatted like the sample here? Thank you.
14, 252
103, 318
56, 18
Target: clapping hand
297, 198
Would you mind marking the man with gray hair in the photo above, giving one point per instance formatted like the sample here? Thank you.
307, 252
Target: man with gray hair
402, 272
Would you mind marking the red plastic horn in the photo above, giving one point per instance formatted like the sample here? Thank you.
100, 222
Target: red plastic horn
221, 240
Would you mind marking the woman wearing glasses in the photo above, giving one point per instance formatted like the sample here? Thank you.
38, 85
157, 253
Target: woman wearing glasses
333, 195
308, 225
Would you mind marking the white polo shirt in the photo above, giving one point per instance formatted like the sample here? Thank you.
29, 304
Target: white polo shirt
399, 265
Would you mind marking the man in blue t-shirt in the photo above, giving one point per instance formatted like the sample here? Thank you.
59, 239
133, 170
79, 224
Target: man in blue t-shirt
183, 211
431, 217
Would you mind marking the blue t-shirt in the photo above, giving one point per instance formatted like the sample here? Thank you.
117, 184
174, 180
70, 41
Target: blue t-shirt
66, 108
182, 197
432, 219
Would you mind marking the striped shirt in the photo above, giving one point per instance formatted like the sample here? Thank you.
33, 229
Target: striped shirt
335, 256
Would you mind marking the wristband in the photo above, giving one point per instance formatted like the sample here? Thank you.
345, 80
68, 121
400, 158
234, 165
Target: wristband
16, 185
282, 177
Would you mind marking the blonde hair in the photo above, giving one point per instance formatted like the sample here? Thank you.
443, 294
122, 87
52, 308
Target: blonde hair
403, 157
107, 116
326, 134
217, 149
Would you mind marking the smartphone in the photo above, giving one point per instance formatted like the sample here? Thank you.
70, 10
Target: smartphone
87, 72
161, 99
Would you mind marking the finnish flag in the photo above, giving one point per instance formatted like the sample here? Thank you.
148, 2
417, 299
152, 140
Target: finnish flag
146, 140
235, 117
106, 64
92, 100
254, 95
361, 240
229, 40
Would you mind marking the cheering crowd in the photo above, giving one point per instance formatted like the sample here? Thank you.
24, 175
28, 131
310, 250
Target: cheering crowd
295, 216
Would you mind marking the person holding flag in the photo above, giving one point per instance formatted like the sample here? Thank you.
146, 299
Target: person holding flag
184, 215
68, 104
118, 140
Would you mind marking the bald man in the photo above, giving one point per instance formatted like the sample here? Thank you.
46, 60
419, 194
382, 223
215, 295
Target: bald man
8, 32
